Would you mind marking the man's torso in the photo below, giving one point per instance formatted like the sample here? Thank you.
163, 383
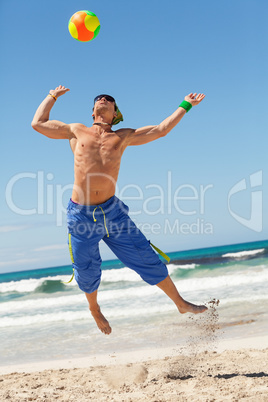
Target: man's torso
97, 158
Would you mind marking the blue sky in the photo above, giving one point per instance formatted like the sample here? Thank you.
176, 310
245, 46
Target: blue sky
148, 55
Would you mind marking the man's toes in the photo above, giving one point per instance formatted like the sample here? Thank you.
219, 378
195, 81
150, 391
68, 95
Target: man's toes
106, 330
200, 309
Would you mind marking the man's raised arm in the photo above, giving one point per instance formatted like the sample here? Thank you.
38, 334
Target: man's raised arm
147, 134
51, 128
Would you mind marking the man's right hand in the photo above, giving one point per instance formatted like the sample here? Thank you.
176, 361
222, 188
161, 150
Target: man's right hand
60, 90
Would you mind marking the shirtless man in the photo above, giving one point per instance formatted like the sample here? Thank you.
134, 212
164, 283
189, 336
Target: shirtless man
94, 212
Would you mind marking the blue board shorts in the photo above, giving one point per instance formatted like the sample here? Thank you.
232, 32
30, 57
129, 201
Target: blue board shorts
88, 224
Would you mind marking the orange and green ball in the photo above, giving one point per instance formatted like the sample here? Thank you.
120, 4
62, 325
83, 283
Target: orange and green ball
84, 26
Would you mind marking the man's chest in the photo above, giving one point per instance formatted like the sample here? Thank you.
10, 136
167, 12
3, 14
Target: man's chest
103, 148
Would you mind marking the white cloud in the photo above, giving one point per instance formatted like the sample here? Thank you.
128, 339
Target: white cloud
17, 262
52, 247
13, 228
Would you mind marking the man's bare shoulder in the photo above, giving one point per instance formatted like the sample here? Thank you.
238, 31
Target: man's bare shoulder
78, 128
124, 132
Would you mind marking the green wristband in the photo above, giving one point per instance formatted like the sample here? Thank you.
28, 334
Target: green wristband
186, 105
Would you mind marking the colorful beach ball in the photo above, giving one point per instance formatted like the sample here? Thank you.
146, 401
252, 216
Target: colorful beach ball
84, 26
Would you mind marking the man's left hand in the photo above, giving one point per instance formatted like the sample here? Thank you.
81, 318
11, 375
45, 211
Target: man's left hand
194, 99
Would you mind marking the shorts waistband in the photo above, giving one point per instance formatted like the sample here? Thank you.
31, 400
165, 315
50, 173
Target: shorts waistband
91, 208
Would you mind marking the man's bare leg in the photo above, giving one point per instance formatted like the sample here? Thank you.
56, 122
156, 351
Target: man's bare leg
94, 308
170, 289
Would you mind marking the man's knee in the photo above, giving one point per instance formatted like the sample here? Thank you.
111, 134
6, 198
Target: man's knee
88, 282
155, 276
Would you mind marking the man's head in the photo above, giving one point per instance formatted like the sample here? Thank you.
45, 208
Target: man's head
105, 106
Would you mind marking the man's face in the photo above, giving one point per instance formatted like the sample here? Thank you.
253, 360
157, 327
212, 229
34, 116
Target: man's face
104, 102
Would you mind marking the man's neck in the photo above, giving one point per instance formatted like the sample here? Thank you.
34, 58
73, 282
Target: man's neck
101, 119
103, 127
102, 124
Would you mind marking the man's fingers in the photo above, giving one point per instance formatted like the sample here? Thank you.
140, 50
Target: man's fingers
196, 97
200, 97
60, 90
62, 87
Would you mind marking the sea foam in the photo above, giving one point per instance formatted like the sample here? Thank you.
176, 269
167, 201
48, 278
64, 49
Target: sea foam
241, 254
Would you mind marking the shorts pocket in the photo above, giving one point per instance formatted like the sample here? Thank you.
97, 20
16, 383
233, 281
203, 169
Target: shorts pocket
143, 247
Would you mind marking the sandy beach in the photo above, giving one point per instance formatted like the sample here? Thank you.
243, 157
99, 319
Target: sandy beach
237, 370
153, 354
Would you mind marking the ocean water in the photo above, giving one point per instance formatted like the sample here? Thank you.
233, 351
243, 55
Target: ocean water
43, 319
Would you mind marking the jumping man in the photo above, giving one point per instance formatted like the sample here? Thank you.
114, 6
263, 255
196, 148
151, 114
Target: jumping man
94, 212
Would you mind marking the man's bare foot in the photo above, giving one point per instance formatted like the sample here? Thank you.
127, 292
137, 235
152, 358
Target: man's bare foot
187, 307
101, 321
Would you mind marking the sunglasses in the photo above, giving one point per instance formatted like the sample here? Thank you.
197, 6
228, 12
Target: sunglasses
107, 97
